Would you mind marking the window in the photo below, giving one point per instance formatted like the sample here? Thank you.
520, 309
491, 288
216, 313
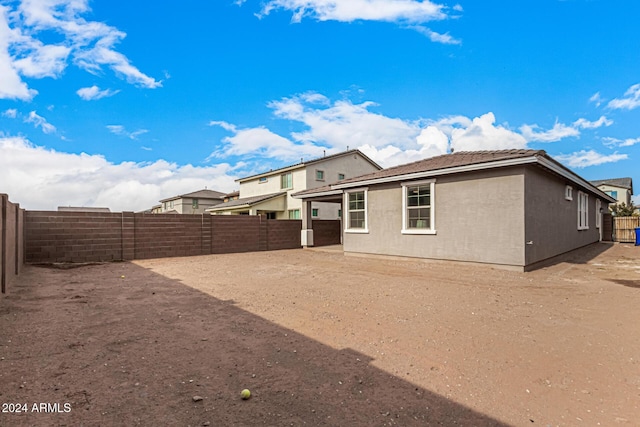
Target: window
613, 194
598, 213
418, 216
171, 204
583, 211
568, 192
194, 203
319, 175
340, 176
339, 213
314, 212
286, 180
294, 214
262, 180
356, 211
164, 206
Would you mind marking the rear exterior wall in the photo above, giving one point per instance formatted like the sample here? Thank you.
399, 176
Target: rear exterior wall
551, 220
479, 218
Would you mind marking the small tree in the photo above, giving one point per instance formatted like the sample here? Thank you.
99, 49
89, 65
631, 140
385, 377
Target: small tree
623, 209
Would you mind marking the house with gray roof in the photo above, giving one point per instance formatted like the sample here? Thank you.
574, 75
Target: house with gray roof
620, 189
190, 203
269, 193
514, 209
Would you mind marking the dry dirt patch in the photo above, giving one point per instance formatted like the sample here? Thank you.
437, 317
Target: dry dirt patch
324, 339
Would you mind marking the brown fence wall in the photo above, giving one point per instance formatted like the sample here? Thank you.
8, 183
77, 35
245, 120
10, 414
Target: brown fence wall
624, 228
11, 242
89, 237
326, 232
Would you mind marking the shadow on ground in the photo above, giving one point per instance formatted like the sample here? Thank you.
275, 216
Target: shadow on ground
125, 346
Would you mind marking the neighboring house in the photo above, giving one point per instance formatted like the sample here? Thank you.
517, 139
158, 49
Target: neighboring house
510, 208
82, 209
229, 197
269, 193
191, 203
620, 189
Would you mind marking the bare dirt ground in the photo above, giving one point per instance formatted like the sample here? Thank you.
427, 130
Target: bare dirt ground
324, 340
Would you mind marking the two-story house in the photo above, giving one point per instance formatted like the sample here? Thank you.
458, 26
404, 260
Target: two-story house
269, 193
620, 189
191, 203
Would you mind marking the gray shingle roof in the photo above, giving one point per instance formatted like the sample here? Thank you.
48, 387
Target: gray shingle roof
462, 158
200, 194
246, 201
615, 182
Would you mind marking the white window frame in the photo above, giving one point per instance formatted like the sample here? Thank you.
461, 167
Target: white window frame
583, 211
432, 205
347, 219
598, 213
568, 192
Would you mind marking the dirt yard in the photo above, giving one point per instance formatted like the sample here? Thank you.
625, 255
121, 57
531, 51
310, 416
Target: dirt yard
323, 339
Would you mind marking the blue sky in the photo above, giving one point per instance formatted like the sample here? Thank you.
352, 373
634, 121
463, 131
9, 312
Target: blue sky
120, 104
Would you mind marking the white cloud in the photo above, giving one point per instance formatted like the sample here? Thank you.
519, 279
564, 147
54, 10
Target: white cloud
558, 132
410, 13
121, 131
343, 123
261, 142
629, 101
334, 126
39, 178
620, 142
353, 10
596, 99
89, 44
40, 122
435, 37
11, 113
94, 93
586, 124
583, 158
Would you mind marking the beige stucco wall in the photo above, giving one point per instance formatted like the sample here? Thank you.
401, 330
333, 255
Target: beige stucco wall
479, 218
624, 195
551, 220
305, 178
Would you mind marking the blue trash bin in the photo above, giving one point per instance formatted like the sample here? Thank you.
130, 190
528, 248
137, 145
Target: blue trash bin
637, 236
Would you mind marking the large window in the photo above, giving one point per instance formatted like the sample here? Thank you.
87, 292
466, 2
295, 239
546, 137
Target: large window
418, 216
356, 211
583, 211
286, 180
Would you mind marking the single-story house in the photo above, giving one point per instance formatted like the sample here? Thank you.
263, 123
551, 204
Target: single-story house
510, 208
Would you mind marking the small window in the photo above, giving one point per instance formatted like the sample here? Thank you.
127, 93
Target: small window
340, 176
164, 206
583, 211
314, 212
613, 194
339, 213
319, 175
194, 203
294, 214
263, 180
286, 181
568, 192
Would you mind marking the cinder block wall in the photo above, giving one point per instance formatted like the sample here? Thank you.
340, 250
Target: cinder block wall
90, 237
73, 236
326, 232
11, 242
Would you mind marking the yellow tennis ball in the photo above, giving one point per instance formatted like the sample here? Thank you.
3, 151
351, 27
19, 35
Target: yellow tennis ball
245, 394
